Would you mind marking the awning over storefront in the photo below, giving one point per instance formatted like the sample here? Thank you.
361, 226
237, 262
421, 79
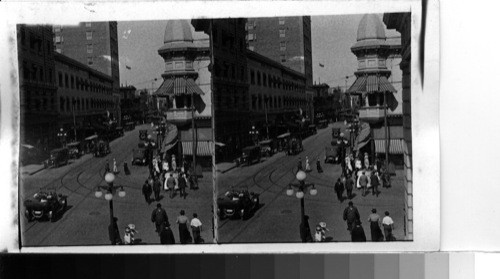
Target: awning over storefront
167, 147
178, 86
202, 149
371, 84
363, 136
396, 146
284, 135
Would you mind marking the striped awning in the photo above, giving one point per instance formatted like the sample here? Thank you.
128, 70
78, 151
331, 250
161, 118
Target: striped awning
358, 85
202, 148
178, 86
371, 84
396, 146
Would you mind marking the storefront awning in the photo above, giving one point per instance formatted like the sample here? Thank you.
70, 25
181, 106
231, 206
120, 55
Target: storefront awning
202, 149
363, 136
178, 86
371, 84
167, 147
396, 146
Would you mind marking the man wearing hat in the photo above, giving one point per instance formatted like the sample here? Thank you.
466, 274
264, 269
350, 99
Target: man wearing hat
351, 215
159, 217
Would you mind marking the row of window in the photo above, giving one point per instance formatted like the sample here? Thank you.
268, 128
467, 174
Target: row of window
275, 102
70, 81
67, 104
36, 73
227, 40
39, 103
228, 70
35, 41
273, 82
231, 99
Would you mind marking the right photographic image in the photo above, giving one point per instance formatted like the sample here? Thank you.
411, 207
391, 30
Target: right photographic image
313, 129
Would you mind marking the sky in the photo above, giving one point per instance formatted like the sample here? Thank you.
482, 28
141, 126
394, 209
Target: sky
332, 38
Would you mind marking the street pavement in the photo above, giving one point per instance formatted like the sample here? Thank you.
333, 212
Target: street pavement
86, 220
278, 218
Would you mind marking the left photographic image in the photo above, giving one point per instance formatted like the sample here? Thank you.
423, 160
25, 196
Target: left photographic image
116, 137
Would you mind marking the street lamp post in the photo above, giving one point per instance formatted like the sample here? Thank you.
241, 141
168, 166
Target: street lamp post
62, 136
254, 133
267, 124
110, 190
301, 187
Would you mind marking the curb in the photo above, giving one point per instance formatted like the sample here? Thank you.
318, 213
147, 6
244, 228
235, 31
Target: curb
226, 170
32, 172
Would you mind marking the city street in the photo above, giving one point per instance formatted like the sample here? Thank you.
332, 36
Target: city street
278, 218
87, 218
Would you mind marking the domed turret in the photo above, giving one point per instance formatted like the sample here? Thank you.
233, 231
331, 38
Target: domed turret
370, 27
371, 32
178, 31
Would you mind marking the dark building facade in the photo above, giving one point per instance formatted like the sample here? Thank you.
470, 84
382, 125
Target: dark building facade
37, 86
402, 23
85, 96
229, 83
286, 40
94, 44
276, 93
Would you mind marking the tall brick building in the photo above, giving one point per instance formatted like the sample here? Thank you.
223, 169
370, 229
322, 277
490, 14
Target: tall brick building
94, 44
229, 83
37, 86
283, 39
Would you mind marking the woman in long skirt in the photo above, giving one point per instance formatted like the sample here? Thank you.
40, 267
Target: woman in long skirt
375, 231
184, 235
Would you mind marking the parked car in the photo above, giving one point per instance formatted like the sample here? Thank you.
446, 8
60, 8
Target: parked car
75, 150
102, 149
29, 154
267, 147
249, 155
45, 205
239, 204
58, 157
295, 146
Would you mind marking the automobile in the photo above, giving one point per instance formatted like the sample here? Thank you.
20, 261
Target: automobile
139, 156
237, 204
102, 149
249, 155
28, 154
332, 154
335, 133
45, 204
295, 146
267, 147
58, 157
75, 150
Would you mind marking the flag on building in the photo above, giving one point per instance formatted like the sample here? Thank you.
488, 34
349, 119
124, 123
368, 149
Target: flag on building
321, 65
128, 67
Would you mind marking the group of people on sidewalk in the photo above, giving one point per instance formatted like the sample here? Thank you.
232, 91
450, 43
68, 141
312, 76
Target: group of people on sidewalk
353, 220
170, 177
364, 174
163, 228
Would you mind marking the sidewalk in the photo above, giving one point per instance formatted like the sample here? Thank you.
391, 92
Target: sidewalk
225, 166
31, 169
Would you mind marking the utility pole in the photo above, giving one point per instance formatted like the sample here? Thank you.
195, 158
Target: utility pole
386, 132
267, 124
74, 118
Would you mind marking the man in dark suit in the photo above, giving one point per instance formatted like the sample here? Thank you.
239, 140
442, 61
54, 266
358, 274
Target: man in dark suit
159, 217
